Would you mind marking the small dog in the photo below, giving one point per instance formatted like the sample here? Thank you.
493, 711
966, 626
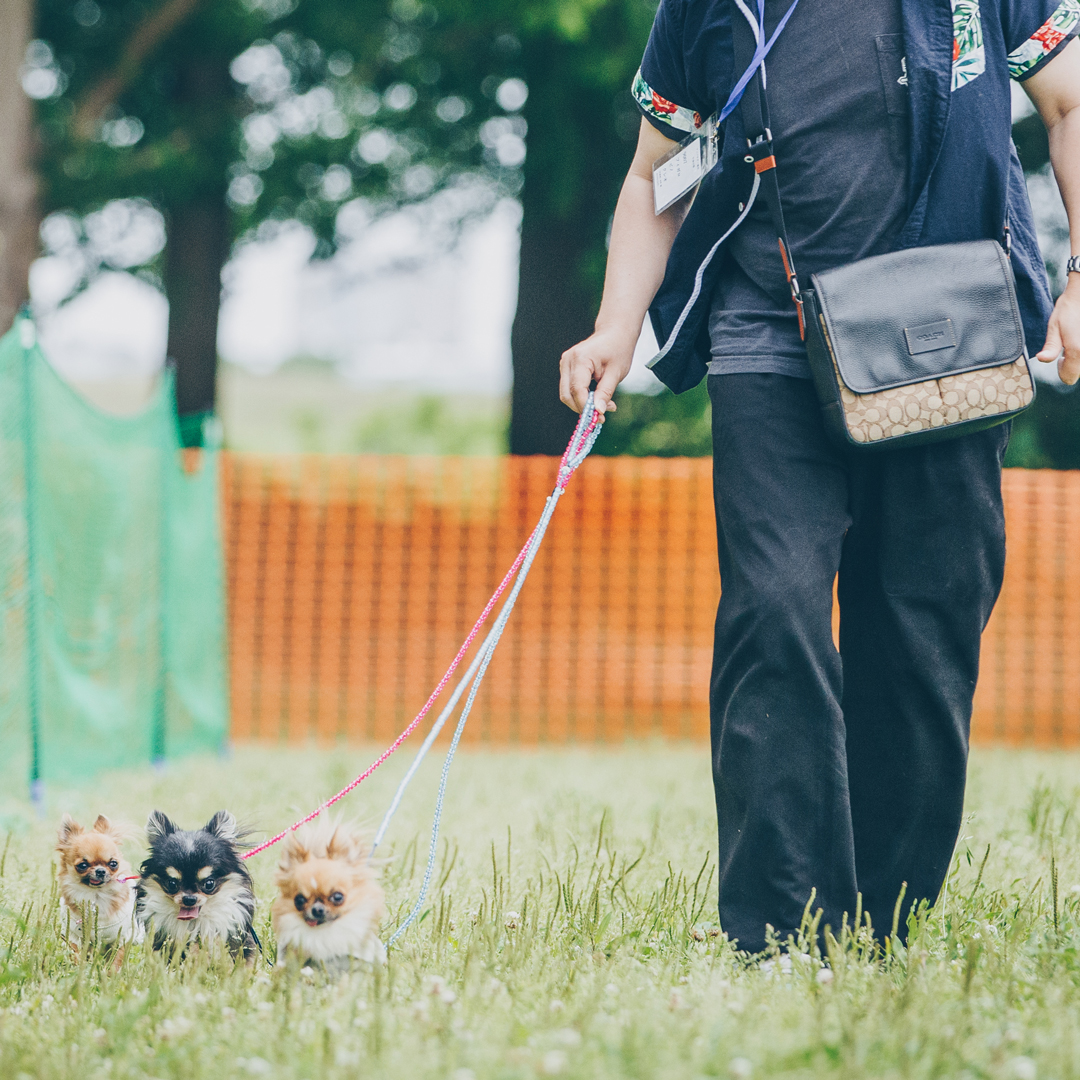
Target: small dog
331, 902
93, 885
195, 888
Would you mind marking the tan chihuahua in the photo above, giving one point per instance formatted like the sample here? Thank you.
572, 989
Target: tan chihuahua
97, 888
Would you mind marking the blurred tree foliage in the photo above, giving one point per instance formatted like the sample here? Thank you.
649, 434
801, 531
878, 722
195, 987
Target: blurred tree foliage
231, 115
661, 425
234, 114
1047, 436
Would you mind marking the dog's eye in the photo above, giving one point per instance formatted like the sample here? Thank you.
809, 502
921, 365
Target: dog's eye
208, 886
300, 901
170, 886
113, 864
337, 899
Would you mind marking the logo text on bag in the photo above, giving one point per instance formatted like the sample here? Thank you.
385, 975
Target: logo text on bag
930, 337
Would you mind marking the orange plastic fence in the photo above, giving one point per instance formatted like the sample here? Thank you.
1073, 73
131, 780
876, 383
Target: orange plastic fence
353, 580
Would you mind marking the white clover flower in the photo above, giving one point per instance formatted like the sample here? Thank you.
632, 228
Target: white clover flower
1022, 1068
553, 1063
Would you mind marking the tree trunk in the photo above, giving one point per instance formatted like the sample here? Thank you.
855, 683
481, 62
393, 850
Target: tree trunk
19, 217
554, 311
194, 256
579, 145
198, 234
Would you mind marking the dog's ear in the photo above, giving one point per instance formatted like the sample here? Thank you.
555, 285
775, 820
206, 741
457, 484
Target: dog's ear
294, 851
297, 849
345, 846
103, 824
69, 829
223, 825
158, 826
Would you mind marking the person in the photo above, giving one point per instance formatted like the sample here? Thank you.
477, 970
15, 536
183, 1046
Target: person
838, 774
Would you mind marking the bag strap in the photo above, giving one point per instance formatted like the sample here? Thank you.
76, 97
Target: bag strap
760, 153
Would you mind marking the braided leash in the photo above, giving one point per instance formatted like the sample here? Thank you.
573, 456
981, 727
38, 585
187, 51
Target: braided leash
584, 437
581, 443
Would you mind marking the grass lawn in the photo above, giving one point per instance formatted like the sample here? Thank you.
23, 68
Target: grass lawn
307, 407
569, 935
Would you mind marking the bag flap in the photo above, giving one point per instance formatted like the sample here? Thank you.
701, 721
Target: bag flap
921, 313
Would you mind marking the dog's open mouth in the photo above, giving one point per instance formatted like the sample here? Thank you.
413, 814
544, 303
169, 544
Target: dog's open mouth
95, 884
188, 913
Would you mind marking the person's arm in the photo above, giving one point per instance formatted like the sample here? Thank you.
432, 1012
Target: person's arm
637, 256
1055, 91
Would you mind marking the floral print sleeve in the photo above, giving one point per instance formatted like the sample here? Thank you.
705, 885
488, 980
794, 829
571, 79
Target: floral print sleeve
1062, 25
658, 108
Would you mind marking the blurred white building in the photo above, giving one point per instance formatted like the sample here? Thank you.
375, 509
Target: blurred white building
391, 308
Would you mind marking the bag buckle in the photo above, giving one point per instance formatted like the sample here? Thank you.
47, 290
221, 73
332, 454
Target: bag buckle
793, 285
761, 153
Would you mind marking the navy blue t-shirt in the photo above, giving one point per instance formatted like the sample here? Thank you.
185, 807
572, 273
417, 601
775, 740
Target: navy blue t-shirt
837, 91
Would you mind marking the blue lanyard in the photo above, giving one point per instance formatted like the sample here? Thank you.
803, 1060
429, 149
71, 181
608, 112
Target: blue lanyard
760, 53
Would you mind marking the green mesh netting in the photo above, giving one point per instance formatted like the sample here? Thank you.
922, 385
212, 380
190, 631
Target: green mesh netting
112, 648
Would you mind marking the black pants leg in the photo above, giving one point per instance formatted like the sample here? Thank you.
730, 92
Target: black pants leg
833, 775
921, 569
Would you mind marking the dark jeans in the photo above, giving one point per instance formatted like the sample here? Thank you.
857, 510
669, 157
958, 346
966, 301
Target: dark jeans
843, 771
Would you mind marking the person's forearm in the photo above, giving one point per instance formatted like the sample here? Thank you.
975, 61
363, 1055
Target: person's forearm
637, 256
1065, 159
1055, 90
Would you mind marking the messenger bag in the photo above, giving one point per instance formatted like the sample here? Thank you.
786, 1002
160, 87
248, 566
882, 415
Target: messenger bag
913, 346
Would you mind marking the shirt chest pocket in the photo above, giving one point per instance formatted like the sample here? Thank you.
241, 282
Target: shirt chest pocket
893, 66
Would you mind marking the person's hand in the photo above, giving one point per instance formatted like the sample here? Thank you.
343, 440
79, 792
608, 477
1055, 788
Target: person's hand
1063, 334
604, 357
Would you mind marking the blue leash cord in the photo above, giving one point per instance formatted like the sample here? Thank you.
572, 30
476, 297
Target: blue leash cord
585, 435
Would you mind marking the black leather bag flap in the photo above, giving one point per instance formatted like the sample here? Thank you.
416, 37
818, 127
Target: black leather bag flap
918, 314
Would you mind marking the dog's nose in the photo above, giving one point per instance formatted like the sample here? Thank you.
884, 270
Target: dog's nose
99, 873
189, 900
318, 912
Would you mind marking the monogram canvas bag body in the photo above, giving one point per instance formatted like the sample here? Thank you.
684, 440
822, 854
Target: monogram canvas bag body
917, 345
912, 346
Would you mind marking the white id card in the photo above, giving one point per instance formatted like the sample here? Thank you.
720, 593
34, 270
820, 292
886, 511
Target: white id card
682, 167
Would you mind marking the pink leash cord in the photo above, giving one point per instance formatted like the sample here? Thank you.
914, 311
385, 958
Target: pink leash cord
571, 459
